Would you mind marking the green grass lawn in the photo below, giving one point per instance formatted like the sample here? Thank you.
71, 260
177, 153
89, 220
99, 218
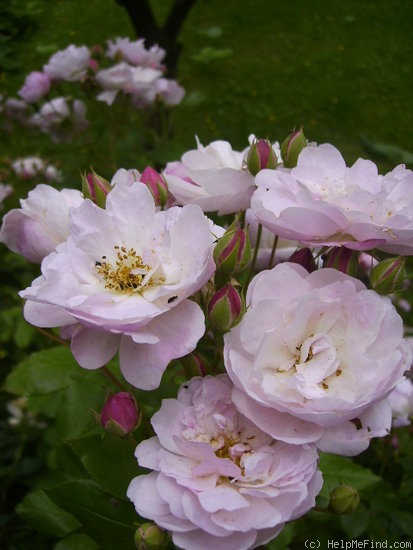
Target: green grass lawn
343, 70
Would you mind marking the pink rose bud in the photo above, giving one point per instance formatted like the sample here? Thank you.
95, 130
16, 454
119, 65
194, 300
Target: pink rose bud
261, 155
304, 257
149, 536
95, 188
157, 185
344, 499
93, 65
233, 251
343, 259
388, 275
292, 146
120, 415
225, 308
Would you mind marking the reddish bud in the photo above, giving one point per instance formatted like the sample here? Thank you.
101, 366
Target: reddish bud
343, 259
95, 188
304, 257
233, 251
156, 184
292, 146
261, 155
120, 414
388, 275
225, 308
93, 65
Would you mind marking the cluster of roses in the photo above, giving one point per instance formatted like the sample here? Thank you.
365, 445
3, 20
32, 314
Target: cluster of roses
135, 72
27, 169
310, 354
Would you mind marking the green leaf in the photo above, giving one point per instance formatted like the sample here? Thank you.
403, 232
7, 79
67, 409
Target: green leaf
77, 542
42, 372
355, 524
44, 515
339, 470
388, 151
74, 417
111, 522
283, 540
109, 460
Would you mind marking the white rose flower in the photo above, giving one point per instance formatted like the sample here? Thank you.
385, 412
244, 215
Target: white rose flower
122, 281
314, 353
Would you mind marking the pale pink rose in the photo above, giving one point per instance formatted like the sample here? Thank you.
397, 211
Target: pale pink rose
401, 401
313, 352
139, 82
135, 52
218, 481
142, 85
122, 282
70, 64
31, 167
42, 222
169, 91
125, 177
61, 118
113, 81
212, 177
322, 201
36, 86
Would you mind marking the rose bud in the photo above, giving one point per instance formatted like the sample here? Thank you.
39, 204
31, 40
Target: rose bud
261, 155
388, 275
225, 308
194, 365
233, 251
156, 184
343, 259
120, 415
95, 188
305, 258
149, 536
292, 146
344, 499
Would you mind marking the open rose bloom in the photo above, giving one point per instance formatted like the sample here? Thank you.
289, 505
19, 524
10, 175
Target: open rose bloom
42, 222
218, 481
322, 201
121, 281
212, 177
315, 356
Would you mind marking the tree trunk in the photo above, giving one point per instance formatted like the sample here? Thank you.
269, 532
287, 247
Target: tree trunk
145, 25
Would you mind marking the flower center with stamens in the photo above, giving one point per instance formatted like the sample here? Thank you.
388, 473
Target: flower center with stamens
128, 274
